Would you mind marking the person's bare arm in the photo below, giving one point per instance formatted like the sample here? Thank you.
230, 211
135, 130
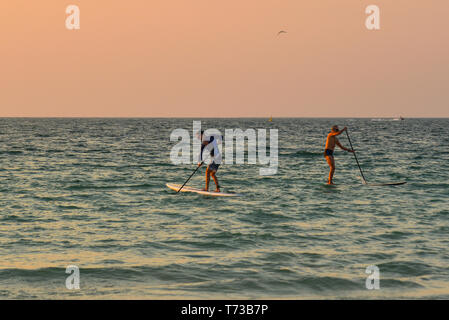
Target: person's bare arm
341, 147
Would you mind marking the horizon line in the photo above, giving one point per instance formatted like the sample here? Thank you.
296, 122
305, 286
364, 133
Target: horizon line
190, 117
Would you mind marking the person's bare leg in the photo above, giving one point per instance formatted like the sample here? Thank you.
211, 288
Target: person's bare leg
207, 180
331, 163
215, 180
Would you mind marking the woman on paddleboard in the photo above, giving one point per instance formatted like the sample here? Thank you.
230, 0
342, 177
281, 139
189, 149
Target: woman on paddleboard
210, 144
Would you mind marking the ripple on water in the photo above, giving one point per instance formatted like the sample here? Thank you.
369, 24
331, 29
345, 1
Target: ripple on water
92, 192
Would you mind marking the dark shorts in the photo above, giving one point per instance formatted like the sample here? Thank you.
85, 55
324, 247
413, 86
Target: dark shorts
328, 152
213, 167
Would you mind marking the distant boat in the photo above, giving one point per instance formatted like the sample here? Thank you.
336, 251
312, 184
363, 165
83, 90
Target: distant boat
400, 117
271, 119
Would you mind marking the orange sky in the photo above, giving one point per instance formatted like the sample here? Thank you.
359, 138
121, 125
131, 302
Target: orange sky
209, 58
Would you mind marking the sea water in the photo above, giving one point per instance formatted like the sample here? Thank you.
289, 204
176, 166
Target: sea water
91, 193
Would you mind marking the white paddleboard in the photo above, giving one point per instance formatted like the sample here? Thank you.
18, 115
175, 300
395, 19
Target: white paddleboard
176, 187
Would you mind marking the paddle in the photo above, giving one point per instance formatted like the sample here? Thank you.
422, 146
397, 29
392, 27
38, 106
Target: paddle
190, 177
361, 172
355, 156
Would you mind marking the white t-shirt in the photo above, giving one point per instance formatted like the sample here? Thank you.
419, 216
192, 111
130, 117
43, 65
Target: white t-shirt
212, 150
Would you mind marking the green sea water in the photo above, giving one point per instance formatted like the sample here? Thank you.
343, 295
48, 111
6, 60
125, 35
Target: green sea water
91, 193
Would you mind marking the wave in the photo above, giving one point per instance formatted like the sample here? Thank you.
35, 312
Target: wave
101, 187
304, 154
12, 152
405, 268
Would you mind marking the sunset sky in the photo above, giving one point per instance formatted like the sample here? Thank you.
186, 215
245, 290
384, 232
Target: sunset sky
208, 58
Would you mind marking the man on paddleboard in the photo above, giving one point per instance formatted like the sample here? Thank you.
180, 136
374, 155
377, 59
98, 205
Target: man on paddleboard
210, 144
329, 150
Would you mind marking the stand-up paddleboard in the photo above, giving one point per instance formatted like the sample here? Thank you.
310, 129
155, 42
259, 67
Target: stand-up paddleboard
176, 187
386, 184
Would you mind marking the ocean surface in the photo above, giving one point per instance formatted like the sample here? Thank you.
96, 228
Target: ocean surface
91, 193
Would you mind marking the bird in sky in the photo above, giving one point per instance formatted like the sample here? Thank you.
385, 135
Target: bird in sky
282, 31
